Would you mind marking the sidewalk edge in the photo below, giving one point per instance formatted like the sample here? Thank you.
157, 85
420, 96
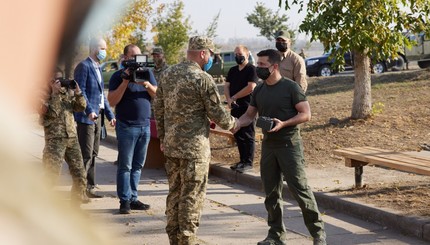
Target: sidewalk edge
407, 225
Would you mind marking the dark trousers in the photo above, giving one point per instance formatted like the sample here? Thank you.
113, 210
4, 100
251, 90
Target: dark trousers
89, 141
288, 160
245, 139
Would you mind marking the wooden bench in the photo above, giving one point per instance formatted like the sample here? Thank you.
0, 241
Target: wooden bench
357, 157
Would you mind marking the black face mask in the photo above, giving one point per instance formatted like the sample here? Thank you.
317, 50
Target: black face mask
239, 59
262, 72
282, 46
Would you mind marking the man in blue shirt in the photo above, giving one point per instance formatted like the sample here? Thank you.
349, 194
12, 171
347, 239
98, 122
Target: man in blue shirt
132, 101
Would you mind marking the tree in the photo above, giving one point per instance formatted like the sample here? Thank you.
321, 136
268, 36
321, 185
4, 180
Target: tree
171, 30
371, 30
129, 28
268, 22
213, 26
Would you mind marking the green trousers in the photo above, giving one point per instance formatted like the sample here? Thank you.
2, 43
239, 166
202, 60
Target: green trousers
287, 160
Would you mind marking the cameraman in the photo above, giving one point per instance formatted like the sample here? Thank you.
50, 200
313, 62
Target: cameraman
132, 101
61, 141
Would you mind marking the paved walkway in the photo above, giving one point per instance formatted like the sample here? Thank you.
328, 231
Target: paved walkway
233, 213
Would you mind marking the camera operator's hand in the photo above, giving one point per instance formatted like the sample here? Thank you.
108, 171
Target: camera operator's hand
93, 116
145, 84
77, 89
55, 86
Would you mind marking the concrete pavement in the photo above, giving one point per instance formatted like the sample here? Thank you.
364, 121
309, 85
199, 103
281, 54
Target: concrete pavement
233, 213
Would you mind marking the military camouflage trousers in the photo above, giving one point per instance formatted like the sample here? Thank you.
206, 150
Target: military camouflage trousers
187, 191
55, 152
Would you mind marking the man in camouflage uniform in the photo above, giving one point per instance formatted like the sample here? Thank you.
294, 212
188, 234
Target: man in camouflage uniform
159, 61
187, 99
61, 142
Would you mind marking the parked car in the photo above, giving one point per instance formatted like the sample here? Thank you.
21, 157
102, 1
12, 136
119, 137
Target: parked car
223, 61
323, 66
109, 68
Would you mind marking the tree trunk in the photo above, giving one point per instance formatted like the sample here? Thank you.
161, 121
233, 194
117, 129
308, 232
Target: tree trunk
362, 103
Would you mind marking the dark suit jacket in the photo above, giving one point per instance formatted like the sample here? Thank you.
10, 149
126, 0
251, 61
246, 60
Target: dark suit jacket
86, 76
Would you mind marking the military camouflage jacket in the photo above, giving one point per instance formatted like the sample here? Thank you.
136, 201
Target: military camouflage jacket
58, 121
157, 71
187, 97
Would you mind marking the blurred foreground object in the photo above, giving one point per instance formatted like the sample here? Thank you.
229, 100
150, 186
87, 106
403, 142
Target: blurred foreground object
29, 212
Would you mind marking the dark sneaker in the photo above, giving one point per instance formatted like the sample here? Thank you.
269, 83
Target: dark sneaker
138, 205
236, 165
124, 208
320, 241
244, 168
270, 241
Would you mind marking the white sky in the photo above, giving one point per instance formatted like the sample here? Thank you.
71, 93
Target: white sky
232, 22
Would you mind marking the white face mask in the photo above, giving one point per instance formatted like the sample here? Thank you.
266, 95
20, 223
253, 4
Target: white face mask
101, 55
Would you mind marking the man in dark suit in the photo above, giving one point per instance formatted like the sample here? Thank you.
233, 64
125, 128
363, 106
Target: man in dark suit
89, 77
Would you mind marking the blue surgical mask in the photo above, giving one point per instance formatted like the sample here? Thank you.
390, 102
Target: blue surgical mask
101, 55
208, 65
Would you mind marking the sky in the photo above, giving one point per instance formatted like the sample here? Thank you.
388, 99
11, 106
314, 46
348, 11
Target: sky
232, 22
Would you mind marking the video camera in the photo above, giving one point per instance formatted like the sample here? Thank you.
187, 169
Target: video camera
66, 83
137, 68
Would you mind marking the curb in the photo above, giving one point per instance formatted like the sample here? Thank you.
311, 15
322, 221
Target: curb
408, 225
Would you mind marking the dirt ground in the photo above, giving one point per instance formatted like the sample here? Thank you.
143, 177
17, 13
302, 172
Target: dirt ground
400, 122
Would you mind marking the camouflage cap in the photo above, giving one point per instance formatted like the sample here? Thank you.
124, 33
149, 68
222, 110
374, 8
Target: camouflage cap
284, 34
157, 50
200, 43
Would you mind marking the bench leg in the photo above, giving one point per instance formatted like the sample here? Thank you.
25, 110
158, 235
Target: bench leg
358, 177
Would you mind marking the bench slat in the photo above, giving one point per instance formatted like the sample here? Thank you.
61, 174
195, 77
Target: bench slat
400, 156
410, 158
396, 160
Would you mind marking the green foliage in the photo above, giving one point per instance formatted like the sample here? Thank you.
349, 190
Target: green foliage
377, 108
211, 30
370, 29
171, 28
268, 22
129, 29
375, 27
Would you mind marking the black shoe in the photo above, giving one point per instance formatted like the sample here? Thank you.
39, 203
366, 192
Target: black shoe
244, 168
91, 193
236, 165
138, 205
270, 241
124, 208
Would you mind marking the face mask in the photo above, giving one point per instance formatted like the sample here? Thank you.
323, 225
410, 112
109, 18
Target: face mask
239, 59
281, 46
208, 65
101, 55
262, 72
